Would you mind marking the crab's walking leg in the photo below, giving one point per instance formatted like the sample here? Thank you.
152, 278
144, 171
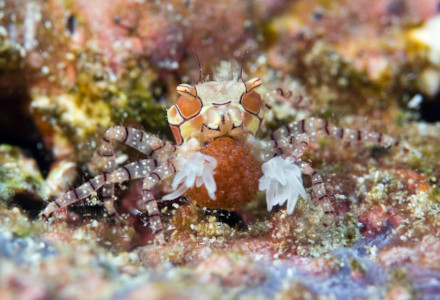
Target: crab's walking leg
138, 169
317, 128
149, 202
298, 102
299, 147
320, 191
146, 143
284, 145
294, 145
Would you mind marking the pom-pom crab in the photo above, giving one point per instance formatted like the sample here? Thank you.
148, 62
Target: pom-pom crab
217, 161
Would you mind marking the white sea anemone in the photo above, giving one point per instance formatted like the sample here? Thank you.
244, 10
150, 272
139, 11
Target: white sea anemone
198, 169
282, 182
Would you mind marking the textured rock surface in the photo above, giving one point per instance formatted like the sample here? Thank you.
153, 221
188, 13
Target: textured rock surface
70, 69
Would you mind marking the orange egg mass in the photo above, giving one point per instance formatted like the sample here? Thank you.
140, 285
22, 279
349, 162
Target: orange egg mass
236, 175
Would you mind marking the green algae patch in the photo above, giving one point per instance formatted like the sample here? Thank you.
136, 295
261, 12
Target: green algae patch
19, 223
19, 174
145, 111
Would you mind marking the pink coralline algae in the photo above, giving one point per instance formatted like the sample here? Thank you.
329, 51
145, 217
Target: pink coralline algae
70, 70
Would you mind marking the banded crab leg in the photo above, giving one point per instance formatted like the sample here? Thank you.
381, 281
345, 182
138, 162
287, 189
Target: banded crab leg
149, 202
316, 128
320, 191
147, 169
295, 146
298, 101
146, 143
281, 145
132, 170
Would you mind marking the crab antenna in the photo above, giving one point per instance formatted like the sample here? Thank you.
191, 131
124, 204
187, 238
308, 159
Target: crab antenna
241, 66
200, 66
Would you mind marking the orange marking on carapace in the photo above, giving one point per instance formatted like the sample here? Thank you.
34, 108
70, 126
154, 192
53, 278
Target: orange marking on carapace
197, 123
247, 118
176, 132
174, 116
172, 112
251, 102
189, 106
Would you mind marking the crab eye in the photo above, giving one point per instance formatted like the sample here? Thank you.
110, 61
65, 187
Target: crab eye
251, 102
188, 106
252, 84
186, 89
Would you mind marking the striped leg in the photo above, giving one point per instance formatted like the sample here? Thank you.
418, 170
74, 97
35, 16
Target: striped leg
146, 143
297, 145
292, 145
153, 212
138, 169
321, 194
149, 203
297, 102
317, 128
